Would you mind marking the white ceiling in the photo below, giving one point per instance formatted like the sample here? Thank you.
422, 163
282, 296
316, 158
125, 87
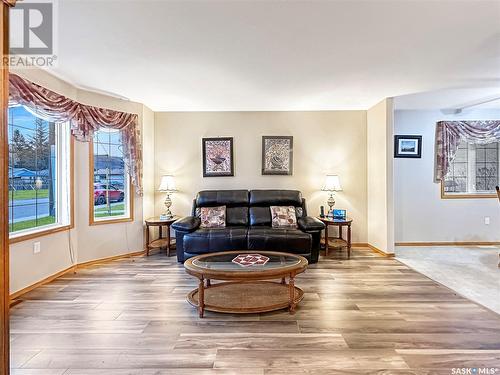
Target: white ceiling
276, 55
449, 99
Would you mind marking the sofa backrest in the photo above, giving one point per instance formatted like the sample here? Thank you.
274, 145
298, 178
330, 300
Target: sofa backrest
245, 207
228, 198
236, 202
262, 200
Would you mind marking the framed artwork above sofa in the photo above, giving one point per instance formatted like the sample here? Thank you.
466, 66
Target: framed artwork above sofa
277, 155
217, 156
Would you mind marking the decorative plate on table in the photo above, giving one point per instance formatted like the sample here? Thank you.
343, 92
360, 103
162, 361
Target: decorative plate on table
247, 260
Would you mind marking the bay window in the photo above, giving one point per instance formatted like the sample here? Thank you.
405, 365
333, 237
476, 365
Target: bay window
110, 190
40, 174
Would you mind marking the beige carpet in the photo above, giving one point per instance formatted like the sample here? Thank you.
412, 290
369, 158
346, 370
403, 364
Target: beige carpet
471, 271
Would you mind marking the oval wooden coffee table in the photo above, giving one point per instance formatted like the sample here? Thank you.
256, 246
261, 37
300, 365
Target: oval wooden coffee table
247, 285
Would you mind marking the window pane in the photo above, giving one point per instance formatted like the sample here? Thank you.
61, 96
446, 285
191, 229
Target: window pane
102, 137
110, 177
115, 138
32, 170
460, 184
480, 154
492, 155
474, 170
486, 167
461, 155
460, 169
490, 183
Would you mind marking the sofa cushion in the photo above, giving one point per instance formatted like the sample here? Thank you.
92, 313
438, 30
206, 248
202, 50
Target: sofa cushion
279, 239
260, 216
204, 240
213, 217
283, 217
237, 216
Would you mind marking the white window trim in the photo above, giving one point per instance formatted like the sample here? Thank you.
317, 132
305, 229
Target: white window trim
64, 176
129, 197
127, 216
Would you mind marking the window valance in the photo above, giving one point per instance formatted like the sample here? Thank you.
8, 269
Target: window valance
450, 133
84, 120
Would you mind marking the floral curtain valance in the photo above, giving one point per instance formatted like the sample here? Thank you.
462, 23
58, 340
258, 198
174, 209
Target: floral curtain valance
84, 120
450, 133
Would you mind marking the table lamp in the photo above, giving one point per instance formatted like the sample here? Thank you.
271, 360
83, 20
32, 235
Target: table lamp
332, 184
167, 185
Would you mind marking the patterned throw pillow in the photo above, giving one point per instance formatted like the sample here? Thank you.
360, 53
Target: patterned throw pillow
213, 217
283, 217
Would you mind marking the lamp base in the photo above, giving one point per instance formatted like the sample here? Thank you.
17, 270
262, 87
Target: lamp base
166, 216
331, 201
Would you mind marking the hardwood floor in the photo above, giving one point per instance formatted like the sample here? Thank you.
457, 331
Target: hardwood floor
365, 315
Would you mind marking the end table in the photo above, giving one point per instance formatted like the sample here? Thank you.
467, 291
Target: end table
160, 242
338, 241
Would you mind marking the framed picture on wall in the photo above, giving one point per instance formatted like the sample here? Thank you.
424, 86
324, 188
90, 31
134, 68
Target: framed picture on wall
217, 156
407, 146
277, 155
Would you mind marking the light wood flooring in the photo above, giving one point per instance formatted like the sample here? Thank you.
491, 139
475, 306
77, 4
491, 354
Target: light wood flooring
365, 315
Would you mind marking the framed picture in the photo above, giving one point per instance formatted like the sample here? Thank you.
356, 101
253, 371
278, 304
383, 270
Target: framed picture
277, 155
217, 157
407, 146
339, 214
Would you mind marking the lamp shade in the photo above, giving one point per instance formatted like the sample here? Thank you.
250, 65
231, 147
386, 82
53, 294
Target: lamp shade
167, 183
332, 183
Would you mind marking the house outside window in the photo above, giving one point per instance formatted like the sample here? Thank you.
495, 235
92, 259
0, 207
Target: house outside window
110, 199
39, 173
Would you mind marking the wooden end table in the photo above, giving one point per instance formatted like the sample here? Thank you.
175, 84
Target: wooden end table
337, 241
160, 242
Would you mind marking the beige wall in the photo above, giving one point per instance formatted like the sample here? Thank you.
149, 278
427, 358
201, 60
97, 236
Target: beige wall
88, 242
380, 176
27, 268
324, 142
148, 180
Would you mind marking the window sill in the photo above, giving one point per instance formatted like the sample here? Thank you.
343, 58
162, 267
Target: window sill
38, 233
445, 195
111, 221
468, 196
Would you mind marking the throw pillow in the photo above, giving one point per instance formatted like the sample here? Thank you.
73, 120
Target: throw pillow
213, 217
283, 217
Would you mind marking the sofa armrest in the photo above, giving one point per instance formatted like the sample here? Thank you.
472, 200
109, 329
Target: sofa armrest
186, 224
310, 224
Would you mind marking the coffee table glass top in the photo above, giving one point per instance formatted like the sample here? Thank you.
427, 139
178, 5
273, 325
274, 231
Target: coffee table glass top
246, 261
